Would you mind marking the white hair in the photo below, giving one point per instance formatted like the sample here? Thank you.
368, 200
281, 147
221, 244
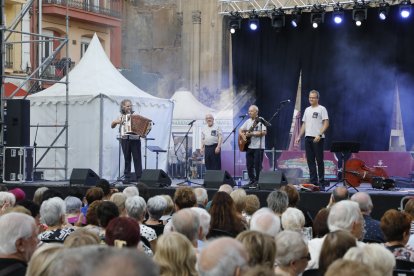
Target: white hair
226, 188
14, 226
293, 219
290, 247
73, 204
374, 255
131, 191
201, 195
265, 221
364, 201
205, 219
52, 210
156, 206
6, 197
343, 215
135, 207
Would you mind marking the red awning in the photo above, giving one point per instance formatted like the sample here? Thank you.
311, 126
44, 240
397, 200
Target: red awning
10, 87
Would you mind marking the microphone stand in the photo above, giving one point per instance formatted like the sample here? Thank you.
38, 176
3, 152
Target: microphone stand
234, 143
35, 149
271, 118
186, 179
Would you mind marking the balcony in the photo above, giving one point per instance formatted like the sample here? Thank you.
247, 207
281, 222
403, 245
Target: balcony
89, 6
57, 69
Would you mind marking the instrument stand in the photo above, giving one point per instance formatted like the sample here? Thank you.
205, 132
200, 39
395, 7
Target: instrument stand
344, 148
145, 151
234, 143
186, 178
157, 150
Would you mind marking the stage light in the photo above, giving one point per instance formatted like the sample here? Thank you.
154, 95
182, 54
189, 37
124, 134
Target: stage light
278, 18
317, 16
296, 15
253, 21
338, 15
359, 13
405, 9
383, 10
235, 22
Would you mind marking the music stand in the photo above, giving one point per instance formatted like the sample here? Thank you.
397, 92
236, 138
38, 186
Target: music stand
157, 150
344, 147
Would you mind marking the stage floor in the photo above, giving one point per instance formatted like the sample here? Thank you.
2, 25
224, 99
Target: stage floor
312, 202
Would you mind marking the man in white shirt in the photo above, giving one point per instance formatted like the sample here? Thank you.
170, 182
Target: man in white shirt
255, 131
211, 139
315, 122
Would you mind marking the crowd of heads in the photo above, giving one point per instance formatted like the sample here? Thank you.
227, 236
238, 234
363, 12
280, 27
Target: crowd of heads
195, 232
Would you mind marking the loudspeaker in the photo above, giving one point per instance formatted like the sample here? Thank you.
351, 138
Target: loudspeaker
293, 175
85, 177
18, 123
272, 180
216, 178
155, 178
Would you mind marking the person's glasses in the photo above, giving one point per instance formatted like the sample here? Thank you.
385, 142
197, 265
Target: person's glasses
313, 97
307, 257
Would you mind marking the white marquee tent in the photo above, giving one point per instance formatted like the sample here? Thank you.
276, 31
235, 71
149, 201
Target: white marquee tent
96, 89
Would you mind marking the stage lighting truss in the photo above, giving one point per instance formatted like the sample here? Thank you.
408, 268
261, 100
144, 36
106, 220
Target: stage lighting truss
359, 13
383, 10
317, 16
278, 18
405, 8
338, 14
253, 21
296, 15
234, 22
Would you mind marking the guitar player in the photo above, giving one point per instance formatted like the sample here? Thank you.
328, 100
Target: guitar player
253, 132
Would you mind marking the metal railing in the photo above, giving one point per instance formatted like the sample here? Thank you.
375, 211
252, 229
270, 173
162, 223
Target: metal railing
86, 6
57, 69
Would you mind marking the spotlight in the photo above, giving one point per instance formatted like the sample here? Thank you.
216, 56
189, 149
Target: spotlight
405, 8
338, 15
296, 15
317, 16
383, 10
359, 13
278, 18
235, 22
253, 21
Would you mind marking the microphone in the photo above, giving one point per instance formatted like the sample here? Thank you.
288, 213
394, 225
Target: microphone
243, 116
266, 123
285, 101
192, 122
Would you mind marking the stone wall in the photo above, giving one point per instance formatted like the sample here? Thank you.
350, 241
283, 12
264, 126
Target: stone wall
168, 44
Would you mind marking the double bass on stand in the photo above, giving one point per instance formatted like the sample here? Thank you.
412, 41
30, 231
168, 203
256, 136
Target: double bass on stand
357, 172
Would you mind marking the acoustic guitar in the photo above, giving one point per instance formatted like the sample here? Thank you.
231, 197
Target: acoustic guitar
244, 141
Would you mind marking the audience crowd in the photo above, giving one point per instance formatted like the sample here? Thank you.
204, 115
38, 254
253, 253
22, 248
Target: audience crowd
128, 232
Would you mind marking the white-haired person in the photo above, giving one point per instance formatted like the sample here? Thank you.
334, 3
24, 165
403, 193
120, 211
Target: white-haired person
136, 208
7, 200
374, 255
292, 254
293, 219
18, 241
131, 191
156, 206
73, 209
344, 215
265, 221
52, 213
205, 219
42, 259
202, 197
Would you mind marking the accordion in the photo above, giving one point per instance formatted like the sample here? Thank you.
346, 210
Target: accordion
136, 125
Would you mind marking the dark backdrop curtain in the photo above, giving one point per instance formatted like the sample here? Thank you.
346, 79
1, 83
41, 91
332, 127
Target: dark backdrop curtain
354, 69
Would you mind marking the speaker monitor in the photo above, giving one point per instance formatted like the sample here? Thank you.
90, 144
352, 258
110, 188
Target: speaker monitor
155, 178
85, 177
216, 178
272, 180
18, 123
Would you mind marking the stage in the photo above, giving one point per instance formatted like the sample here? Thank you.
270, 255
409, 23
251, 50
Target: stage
309, 201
